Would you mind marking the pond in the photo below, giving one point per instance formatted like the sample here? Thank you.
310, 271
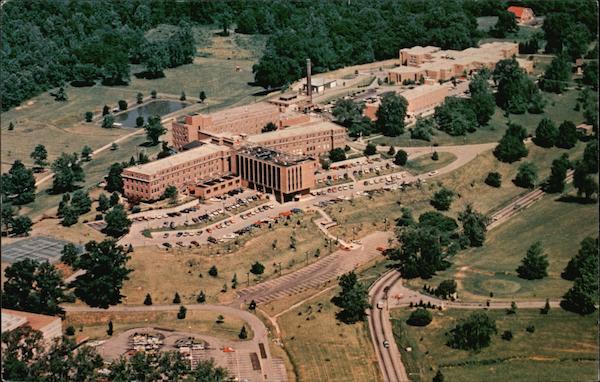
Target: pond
161, 108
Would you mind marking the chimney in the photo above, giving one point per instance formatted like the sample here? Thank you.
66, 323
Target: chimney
308, 82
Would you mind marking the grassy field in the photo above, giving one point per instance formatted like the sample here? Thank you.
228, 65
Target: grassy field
564, 347
186, 271
424, 163
322, 348
560, 226
58, 125
94, 325
560, 107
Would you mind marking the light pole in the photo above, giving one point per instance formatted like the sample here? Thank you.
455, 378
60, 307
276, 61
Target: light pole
248, 282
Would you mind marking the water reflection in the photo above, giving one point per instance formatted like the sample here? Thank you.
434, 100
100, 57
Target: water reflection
160, 107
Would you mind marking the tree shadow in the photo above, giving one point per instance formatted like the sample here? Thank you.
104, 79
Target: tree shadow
575, 199
147, 144
51, 190
149, 75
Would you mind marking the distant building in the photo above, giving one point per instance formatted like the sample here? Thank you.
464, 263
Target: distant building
431, 62
585, 129
522, 14
319, 85
420, 99
50, 326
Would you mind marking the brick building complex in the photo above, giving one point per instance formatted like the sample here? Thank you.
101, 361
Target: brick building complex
420, 99
210, 169
49, 326
522, 14
149, 181
284, 175
431, 62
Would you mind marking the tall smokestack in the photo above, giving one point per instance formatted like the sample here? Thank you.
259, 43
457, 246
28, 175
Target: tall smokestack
308, 82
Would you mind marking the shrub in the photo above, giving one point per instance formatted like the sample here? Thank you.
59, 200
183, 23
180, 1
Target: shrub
182, 312
70, 331
493, 179
400, 158
148, 300
89, 116
122, 104
420, 317
530, 328
507, 335
435, 156
213, 271
257, 268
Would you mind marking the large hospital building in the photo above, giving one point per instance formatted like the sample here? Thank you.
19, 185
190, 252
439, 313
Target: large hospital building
226, 150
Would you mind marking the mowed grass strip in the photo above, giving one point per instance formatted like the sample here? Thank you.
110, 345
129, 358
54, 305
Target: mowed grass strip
95, 324
563, 347
324, 349
185, 271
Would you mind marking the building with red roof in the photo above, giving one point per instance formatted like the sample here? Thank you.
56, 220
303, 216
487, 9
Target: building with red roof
522, 14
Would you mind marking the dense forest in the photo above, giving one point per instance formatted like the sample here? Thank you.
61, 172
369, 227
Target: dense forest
46, 43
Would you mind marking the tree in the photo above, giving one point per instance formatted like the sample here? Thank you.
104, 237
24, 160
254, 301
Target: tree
234, 281
535, 264
86, 153
103, 203
583, 295
371, 149
257, 268
391, 151
202, 96
474, 225
243, 333
122, 104
435, 156
69, 216
117, 223
584, 181
61, 95
81, 202
353, 299
482, 99
269, 127
19, 184
510, 148
8, 216
406, 219
182, 312
11, 126
148, 299
473, 333
558, 174
153, 94
252, 305
391, 114
89, 116
114, 181
67, 171
105, 266
446, 289
213, 271
176, 298
586, 260
69, 253
527, 175
546, 307
546, 133
438, 377
105, 110
21, 225
423, 129
419, 317
567, 135
590, 157
515, 88
347, 112
506, 23
337, 155
170, 192
400, 158
442, 199
35, 287
108, 121
139, 98
493, 179
39, 156
114, 199
201, 298
154, 129
557, 75
109, 331
139, 121
590, 75
182, 97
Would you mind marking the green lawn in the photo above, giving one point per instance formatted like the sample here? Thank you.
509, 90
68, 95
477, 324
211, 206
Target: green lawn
563, 347
60, 127
324, 349
424, 163
560, 226
560, 107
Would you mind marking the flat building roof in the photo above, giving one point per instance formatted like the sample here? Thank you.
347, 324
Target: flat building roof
274, 156
177, 159
305, 128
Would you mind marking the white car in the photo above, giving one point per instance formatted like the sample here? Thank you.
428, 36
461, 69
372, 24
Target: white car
432, 173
